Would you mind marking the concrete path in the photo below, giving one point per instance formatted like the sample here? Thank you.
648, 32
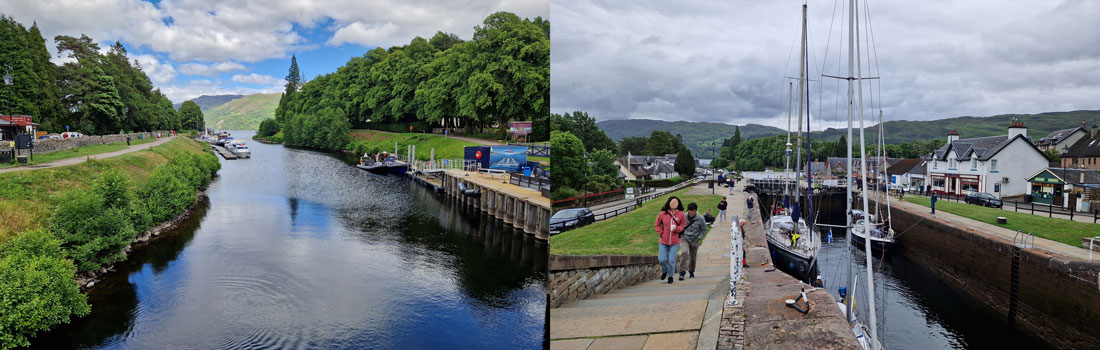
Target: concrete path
653, 314
1039, 210
78, 160
1008, 235
768, 322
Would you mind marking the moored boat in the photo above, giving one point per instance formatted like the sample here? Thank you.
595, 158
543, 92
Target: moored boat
238, 148
793, 250
385, 164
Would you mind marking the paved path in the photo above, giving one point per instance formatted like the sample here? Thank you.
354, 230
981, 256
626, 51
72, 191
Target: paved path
78, 160
768, 322
653, 314
978, 226
1026, 208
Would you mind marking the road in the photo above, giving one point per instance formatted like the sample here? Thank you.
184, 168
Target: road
78, 160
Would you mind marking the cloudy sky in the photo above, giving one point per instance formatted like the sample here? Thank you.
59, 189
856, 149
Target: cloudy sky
725, 61
207, 47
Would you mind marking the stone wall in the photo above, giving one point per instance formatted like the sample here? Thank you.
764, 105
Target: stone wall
577, 277
54, 145
1055, 298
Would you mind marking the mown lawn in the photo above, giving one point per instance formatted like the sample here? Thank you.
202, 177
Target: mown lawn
1061, 230
628, 234
27, 198
369, 141
85, 151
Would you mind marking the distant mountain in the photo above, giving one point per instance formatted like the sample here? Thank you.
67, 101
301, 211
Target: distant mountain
206, 102
244, 113
697, 135
1038, 126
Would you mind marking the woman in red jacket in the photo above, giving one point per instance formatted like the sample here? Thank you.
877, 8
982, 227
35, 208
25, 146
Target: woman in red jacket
669, 226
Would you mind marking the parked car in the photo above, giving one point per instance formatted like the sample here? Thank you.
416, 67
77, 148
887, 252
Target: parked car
46, 137
983, 199
568, 219
69, 134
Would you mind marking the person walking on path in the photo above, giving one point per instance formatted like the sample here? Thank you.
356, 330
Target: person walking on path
934, 203
722, 210
694, 231
748, 204
670, 225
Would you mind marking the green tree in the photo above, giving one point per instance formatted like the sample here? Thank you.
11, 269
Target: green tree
36, 288
736, 139
662, 142
293, 82
567, 157
1053, 155
633, 145
602, 162
583, 126
267, 128
685, 164
191, 116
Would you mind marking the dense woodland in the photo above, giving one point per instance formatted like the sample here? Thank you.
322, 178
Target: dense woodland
501, 75
94, 93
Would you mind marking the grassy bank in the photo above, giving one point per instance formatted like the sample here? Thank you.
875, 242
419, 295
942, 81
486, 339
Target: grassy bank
1061, 230
62, 221
85, 151
28, 197
370, 141
628, 234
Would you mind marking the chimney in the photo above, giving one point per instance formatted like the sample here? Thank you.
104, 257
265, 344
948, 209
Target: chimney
1017, 128
1093, 132
1083, 126
1082, 172
953, 135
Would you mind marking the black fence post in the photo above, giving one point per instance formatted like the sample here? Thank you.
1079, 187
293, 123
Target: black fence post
1032, 208
1050, 211
1015, 207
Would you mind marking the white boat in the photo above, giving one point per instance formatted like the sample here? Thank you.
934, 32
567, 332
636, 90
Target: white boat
238, 148
882, 236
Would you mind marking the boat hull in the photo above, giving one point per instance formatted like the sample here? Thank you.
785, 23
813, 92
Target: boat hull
877, 245
791, 263
399, 169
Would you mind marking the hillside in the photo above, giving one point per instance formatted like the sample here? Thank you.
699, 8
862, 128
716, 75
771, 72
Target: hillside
1038, 126
697, 135
244, 113
207, 102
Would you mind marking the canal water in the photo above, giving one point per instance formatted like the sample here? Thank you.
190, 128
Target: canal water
916, 310
298, 249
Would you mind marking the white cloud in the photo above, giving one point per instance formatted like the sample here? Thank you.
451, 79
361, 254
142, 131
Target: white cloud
253, 30
196, 88
253, 78
725, 61
158, 72
366, 34
211, 69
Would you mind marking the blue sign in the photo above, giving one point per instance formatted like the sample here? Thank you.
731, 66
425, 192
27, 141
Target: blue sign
66, 128
508, 158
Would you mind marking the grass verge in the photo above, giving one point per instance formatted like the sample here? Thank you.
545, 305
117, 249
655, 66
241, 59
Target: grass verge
27, 198
370, 141
628, 234
1061, 230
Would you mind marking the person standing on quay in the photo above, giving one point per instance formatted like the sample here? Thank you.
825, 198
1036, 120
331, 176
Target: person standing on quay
694, 232
748, 203
669, 226
933, 203
721, 209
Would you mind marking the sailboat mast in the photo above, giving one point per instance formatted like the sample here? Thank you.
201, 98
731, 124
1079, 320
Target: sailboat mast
787, 168
882, 133
873, 323
848, 169
801, 88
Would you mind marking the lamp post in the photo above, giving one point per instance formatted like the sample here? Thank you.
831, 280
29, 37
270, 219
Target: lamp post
586, 179
1065, 196
8, 80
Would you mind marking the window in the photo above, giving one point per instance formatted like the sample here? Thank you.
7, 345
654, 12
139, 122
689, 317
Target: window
973, 164
970, 186
935, 164
993, 165
996, 187
951, 163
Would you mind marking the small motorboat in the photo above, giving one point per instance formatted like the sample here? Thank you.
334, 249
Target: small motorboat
386, 164
238, 148
882, 236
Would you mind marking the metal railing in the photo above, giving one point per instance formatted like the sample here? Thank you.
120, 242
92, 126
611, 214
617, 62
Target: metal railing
1027, 207
1091, 241
531, 182
638, 201
1021, 239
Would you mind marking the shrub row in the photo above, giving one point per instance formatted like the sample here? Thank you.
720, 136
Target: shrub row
88, 229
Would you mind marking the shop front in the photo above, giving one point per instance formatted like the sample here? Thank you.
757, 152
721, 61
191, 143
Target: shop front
1046, 188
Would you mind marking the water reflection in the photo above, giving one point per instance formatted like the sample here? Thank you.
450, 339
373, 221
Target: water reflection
296, 249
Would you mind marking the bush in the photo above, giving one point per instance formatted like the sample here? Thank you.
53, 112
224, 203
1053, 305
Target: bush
563, 193
36, 288
113, 188
267, 128
91, 233
165, 194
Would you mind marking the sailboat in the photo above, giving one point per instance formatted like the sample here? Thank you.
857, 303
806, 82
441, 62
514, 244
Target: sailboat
866, 333
794, 244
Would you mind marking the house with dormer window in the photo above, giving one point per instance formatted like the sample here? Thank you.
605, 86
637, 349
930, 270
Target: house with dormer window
999, 165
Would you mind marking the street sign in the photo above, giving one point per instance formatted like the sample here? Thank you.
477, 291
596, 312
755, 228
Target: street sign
66, 128
519, 128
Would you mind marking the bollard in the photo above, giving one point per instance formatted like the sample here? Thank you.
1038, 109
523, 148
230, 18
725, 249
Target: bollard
736, 256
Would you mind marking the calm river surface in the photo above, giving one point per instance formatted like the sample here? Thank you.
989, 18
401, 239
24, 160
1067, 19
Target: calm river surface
297, 249
916, 310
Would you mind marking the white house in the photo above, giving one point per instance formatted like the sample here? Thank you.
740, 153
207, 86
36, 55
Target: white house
1062, 140
647, 167
908, 172
999, 165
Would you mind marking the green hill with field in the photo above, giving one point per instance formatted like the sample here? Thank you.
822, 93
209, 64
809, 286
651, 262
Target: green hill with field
244, 113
